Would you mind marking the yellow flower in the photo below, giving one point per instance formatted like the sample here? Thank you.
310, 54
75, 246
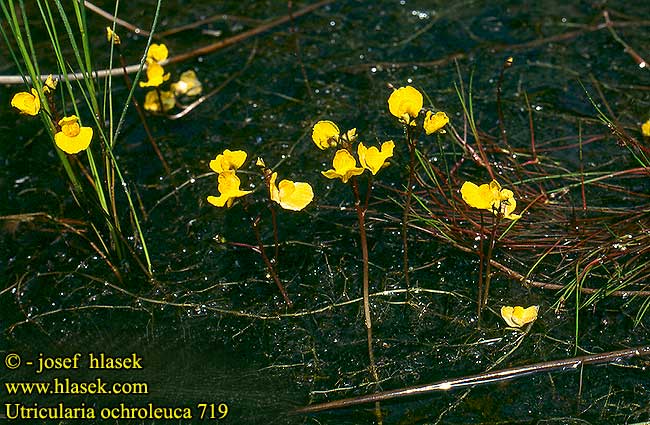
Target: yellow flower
325, 134
517, 317
372, 158
345, 166
112, 37
50, 84
27, 103
73, 138
645, 128
291, 195
157, 53
405, 103
188, 84
228, 190
490, 197
351, 135
228, 161
155, 75
435, 122
152, 102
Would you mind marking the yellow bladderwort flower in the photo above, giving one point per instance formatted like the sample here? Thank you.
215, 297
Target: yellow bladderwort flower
228, 161
405, 103
372, 158
645, 128
157, 53
155, 75
291, 195
435, 122
490, 197
73, 138
188, 85
345, 166
516, 317
152, 102
27, 103
50, 84
326, 134
228, 190
112, 37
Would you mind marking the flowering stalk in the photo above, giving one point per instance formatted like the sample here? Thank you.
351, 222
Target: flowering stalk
361, 216
407, 206
268, 263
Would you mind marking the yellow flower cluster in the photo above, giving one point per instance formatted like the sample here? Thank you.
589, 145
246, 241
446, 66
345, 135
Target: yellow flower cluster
165, 100
406, 103
72, 138
326, 134
290, 195
490, 197
516, 317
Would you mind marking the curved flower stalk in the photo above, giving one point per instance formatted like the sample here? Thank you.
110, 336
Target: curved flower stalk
517, 316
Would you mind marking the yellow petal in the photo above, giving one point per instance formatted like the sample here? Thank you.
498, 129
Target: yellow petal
157, 53
273, 189
188, 84
27, 103
374, 159
480, 197
50, 84
228, 160
74, 144
325, 134
645, 128
345, 166
506, 314
524, 316
294, 196
112, 37
405, 102
435, 122
155, 75
152, 101
228, 189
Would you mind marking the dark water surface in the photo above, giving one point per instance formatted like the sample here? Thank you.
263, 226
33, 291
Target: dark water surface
212, 327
